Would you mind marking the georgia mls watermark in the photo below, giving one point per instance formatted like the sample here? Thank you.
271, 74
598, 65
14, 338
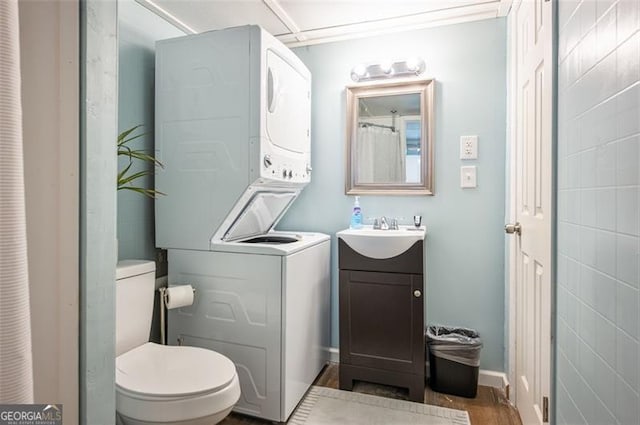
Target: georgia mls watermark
30, 414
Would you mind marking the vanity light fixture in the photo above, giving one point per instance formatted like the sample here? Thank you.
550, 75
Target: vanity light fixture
383, 70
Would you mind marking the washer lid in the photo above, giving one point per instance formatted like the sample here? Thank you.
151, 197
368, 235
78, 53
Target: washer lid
161, 370
260, 214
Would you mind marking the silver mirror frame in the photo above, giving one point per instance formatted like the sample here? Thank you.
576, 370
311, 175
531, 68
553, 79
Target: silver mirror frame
423, 87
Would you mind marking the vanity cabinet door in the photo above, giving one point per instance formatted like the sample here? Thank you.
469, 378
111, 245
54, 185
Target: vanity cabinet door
382, 321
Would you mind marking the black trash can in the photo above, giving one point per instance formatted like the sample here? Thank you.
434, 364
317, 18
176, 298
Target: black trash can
454, 360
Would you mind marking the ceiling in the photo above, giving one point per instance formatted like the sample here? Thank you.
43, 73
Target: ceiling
305, 22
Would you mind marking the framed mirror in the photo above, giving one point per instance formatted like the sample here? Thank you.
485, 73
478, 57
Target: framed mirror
390, 138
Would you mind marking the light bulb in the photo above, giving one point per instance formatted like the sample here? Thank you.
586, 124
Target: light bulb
358, 72
413, 64
386, 67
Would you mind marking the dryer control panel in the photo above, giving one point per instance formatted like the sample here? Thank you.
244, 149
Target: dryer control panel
279, 168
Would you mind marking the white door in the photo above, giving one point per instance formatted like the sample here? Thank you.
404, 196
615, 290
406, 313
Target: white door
533, 207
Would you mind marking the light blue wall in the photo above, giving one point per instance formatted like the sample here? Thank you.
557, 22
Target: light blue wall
465, 242
98, 94
138, 29
598, 245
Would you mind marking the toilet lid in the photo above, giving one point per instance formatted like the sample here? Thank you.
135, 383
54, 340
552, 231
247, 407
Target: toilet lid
162, 370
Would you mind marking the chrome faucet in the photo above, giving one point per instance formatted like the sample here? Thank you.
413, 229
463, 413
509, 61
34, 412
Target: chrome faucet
383, 223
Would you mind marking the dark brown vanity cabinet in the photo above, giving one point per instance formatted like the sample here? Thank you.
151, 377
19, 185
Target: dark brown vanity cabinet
382, 319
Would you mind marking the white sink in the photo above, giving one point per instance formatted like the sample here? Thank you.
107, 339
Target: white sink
381, 244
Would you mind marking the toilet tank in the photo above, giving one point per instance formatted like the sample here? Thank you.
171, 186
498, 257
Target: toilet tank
135, 285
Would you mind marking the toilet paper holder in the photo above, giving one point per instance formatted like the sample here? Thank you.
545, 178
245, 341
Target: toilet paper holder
164, 297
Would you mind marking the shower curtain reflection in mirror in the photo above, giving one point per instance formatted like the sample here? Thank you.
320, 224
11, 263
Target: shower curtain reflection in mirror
381, 154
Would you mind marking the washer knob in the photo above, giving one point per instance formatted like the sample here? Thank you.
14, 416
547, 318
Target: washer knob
267, 161
290, 174
284, 174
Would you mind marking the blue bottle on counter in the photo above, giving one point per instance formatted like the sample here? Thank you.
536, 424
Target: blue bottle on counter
356, 215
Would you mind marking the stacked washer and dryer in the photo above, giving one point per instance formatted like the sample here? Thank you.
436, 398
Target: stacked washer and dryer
233, 131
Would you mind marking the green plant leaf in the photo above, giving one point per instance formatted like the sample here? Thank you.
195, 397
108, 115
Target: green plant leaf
134, 176
124, 179
151, 193
143, 156
122, 136
122, 173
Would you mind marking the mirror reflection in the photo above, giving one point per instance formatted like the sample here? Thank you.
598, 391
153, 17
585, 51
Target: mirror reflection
389, 138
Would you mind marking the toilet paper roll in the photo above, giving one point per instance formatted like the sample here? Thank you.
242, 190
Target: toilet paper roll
179, 296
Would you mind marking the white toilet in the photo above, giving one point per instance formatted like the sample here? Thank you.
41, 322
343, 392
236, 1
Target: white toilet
160, 384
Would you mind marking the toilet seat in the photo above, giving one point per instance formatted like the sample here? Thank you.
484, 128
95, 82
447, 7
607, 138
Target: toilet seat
166, 383
168, 371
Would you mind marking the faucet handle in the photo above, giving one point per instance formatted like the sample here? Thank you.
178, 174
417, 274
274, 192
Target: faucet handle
394, 224
376, 223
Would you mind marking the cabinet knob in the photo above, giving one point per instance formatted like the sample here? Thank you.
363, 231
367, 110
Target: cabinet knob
417, 293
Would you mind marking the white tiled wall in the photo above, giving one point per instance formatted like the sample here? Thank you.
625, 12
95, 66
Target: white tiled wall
598, 379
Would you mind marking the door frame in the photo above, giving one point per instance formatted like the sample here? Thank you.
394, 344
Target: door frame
510, 213
98, 210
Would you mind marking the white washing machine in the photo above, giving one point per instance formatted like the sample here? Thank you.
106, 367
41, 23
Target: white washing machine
266, 308
233, 131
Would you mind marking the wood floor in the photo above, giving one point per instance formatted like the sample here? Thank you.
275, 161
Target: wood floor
490, 407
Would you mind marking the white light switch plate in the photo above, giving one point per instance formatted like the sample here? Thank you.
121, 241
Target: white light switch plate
468, 147
468, 178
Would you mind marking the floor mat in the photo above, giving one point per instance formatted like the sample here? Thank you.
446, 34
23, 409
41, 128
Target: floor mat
326, 406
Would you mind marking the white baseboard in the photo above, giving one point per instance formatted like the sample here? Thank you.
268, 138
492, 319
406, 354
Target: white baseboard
488, 378
491, 378
333, 355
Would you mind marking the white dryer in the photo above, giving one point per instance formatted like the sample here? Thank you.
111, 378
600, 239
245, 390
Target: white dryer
232, 129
